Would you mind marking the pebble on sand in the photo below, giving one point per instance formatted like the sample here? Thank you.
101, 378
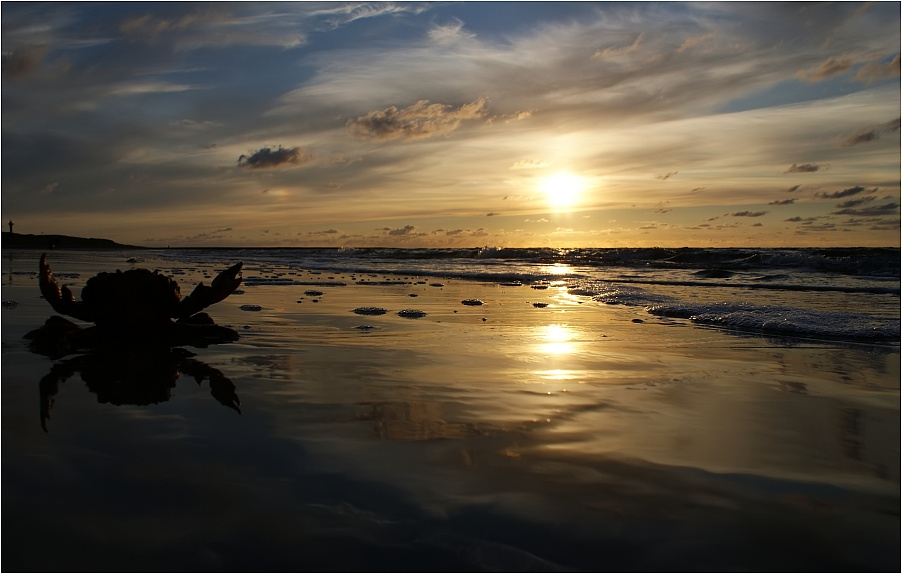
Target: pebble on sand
412, 313
370, 311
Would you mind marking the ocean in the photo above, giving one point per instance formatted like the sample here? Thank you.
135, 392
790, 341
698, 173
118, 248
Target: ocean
484, 409
842, 294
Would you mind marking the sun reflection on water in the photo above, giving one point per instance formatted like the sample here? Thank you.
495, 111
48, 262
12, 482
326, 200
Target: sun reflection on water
557, 340
556, 269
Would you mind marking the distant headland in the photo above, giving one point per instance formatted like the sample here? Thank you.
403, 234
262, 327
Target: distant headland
63, 242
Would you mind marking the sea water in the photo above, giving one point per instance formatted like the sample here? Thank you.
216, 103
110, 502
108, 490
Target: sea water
842, 294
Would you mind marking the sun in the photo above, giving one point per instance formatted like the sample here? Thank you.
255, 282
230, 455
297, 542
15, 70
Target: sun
562, 190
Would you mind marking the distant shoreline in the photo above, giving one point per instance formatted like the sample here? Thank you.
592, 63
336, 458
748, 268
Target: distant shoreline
55, 242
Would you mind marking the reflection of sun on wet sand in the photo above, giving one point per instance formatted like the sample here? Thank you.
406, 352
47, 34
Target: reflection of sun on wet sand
594, 379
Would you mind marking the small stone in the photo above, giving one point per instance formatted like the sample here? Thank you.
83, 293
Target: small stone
369, 311
412, 313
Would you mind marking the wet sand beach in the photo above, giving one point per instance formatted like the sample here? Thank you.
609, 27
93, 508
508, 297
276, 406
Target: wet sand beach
539, 430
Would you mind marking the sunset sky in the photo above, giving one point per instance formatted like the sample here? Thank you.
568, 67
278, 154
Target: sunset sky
453, 124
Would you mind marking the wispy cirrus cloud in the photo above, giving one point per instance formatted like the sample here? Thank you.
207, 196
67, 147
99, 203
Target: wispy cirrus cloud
833, 66
875, 71
530, 164
612, 51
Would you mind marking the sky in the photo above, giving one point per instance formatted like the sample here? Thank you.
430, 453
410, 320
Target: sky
453, 124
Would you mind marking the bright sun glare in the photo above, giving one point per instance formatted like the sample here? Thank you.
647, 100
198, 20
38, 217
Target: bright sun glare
562, 190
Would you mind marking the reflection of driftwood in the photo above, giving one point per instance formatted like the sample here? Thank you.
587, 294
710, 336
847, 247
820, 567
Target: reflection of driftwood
134, 377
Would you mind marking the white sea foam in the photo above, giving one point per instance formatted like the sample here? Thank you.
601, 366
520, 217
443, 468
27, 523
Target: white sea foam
785, 321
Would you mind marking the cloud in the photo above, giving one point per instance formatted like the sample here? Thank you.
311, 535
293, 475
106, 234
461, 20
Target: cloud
195, 125
530, 164
748, 213
794, 188
215, 26
23, 60
406, 230
870, 211
875, 71
804, 168
420, 120
870, 134
209, 235
265, 158
832, 67
49, 188
450, 33
821, 227
666, 175
782, 202
324, 232
855, 202
343, 13
886, 225
618, 50
693, 41
844, 193
148, 26
492, 214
